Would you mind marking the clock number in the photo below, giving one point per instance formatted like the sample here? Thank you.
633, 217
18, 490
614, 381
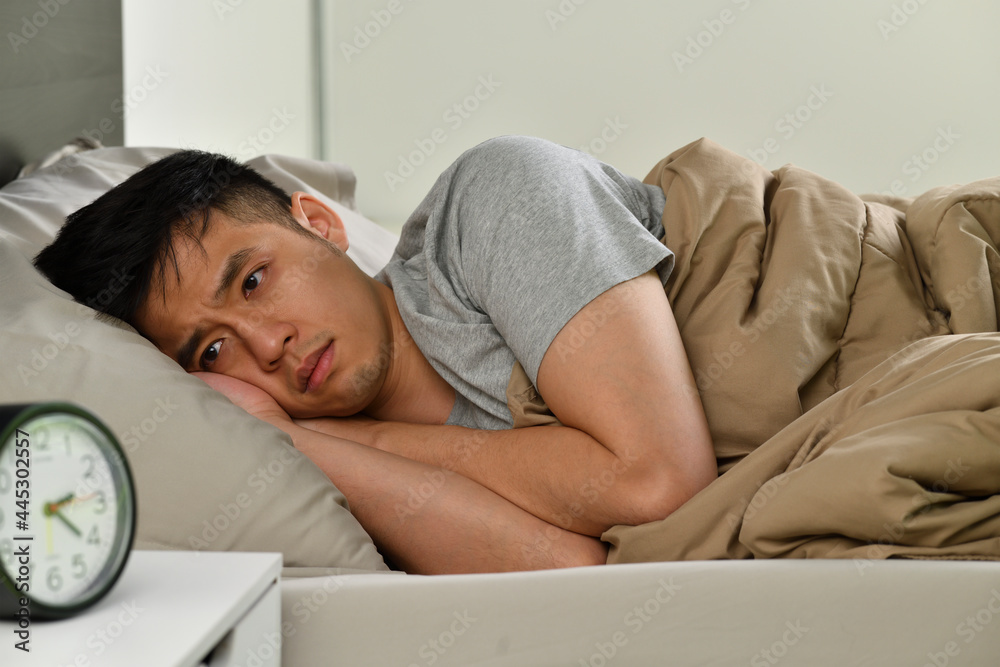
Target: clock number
93, 537
6, 550
89, 460
54, 579
79, 566
102, 503
43, 432
2, 517
5, 481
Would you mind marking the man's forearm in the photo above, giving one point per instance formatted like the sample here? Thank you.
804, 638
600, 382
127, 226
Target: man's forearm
559, 474
432, 521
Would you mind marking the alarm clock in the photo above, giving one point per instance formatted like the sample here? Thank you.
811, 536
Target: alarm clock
67, 510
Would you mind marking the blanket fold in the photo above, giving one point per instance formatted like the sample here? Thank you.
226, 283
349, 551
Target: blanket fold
846, 355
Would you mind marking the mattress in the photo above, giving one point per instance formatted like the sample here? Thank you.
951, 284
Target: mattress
813, 612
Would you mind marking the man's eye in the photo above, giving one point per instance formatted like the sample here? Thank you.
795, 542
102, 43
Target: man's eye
252, 281
211, 353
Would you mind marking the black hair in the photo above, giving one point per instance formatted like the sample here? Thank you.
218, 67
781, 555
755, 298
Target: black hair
108, 253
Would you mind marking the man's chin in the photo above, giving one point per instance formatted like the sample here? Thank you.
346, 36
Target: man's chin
345, 399
299, 411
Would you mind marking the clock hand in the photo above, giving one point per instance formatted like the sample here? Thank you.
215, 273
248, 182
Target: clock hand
53, 509
59, 515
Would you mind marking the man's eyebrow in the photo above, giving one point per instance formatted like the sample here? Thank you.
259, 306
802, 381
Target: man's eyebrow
232, 269
234, 266
186, 353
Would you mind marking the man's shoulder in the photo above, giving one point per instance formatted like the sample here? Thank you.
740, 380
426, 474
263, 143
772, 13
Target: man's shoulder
513, 144
515, 155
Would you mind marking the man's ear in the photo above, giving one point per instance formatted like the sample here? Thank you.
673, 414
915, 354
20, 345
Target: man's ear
313, 214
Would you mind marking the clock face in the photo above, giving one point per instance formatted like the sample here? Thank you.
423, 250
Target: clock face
70, 507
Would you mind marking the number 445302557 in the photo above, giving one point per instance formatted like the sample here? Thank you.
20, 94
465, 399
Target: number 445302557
22, 485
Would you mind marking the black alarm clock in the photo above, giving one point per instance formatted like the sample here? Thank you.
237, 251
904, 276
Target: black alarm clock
67, 510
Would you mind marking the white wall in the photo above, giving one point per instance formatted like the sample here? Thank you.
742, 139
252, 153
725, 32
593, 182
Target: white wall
902, 92
234, 76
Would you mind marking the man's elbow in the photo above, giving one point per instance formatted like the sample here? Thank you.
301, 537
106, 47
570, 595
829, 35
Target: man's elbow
653, 495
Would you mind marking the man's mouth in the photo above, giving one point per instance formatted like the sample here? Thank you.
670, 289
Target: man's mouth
315, 368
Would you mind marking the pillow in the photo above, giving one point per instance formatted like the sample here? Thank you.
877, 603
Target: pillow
208, 475
33, 208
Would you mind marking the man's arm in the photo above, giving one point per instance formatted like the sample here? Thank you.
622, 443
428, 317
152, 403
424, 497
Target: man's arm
432, 521
634, 444
424, 519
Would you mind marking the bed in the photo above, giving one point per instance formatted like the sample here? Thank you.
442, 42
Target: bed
245, 488
706, 597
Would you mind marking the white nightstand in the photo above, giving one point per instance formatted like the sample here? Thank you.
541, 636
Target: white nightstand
177, 609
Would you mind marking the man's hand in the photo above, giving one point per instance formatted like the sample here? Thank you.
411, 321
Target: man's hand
251, 398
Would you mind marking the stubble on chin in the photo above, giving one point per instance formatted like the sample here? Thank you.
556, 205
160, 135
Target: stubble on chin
363, 382
366, 384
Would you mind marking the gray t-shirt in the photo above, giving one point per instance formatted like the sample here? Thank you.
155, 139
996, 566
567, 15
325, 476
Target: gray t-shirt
513, 240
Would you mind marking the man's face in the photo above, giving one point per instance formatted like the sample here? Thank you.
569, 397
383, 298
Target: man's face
278, 309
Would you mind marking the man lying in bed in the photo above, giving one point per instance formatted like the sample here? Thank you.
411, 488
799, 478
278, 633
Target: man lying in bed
526, 262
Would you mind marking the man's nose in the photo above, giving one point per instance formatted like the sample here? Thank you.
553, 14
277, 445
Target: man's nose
267, 340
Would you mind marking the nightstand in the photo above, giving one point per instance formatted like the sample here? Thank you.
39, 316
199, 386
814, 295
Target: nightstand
170, 608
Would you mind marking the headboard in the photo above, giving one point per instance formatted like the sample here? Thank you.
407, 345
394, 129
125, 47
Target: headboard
60, 77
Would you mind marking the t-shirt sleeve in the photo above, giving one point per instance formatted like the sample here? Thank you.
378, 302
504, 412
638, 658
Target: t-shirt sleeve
542, 231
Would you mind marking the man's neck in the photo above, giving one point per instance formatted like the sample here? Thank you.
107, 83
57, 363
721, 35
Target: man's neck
412, 390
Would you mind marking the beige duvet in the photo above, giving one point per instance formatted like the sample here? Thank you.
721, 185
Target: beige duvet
847, 357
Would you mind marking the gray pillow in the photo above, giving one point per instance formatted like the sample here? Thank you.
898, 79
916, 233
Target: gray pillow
208, 475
